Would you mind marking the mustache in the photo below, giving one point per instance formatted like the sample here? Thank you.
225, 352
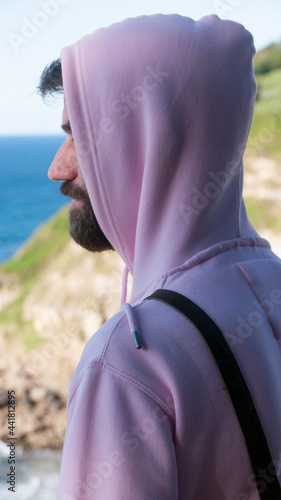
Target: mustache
69, 189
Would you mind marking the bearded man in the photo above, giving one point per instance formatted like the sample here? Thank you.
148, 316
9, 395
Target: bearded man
157, 114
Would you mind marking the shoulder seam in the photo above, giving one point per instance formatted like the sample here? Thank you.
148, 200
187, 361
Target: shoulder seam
106, 344
100, 365
77, 382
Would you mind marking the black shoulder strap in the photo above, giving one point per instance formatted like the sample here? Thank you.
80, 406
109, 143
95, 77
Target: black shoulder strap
255, 439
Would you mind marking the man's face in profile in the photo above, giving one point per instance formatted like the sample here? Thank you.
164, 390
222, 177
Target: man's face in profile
83, 225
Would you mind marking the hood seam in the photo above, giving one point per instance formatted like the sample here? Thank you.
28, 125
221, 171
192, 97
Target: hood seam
203, 256
239, 199
100, 181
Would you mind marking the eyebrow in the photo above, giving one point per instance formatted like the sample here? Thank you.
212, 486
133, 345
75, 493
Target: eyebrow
66, 127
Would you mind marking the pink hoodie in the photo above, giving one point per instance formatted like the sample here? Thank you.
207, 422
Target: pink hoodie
160, 108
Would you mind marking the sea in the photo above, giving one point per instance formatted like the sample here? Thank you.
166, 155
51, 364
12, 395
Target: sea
37, 474
27, 197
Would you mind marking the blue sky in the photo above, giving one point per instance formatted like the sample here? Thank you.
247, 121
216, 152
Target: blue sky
34, 31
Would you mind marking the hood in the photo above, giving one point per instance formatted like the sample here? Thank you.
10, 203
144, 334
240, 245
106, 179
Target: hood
160, 108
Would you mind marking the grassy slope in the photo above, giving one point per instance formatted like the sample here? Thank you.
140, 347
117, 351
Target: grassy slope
262, 214
265, 134
41, 247
27, 267
268, 59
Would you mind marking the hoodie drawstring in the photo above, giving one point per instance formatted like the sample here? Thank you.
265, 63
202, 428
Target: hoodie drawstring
132, 323
124, 286
128, 309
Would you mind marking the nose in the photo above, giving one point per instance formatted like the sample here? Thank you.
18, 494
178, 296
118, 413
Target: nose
65, 164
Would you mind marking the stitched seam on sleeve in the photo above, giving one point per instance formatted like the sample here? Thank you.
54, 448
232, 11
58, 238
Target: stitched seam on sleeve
140, 385
133, 383
77, 382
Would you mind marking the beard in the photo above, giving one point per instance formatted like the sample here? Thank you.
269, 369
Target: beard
83, 225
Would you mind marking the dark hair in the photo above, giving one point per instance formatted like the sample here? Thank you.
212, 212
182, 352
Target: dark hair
51, 79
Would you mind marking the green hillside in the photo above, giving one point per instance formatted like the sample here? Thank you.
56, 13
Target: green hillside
265, 134
27, 267
268, 59
46, 242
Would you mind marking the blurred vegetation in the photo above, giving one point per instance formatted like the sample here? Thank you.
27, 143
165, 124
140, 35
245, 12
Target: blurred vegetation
26, 269
49, 239
265, 134
262, 214
268, 59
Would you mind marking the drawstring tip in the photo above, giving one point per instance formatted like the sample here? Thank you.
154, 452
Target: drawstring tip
132, 324
137, 340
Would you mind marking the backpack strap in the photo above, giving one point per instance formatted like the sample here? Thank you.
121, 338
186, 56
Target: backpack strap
240, 396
